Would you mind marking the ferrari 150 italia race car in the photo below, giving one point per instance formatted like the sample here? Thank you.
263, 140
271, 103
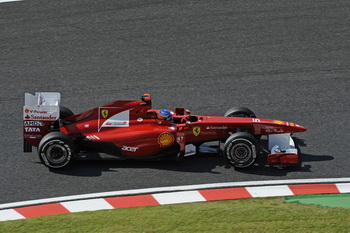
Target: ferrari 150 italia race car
133, 130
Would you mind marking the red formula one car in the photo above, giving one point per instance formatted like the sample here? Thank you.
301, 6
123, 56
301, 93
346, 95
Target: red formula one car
132, 129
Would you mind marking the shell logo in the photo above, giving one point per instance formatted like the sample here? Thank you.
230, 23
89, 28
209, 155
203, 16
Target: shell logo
165, 139
26, 110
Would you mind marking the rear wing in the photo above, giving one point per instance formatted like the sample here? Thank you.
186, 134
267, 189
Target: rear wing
41, 106
39, 112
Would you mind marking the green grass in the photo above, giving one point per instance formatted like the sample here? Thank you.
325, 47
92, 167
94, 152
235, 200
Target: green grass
245, 215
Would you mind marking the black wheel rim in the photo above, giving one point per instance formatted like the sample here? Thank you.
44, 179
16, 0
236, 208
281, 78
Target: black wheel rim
241, 153
56, 154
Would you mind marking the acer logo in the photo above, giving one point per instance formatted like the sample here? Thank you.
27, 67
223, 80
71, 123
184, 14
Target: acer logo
129, 148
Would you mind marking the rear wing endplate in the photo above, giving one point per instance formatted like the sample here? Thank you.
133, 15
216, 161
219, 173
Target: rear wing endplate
39, 111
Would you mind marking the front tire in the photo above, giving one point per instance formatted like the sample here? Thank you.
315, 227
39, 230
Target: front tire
240, 149
56, 150
240, 112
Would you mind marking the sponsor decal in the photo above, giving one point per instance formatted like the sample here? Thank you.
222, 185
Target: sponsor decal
120, 119
165, 139
33, 123
274, 130
196, 131
104, 113
42, 118
92, 137
50, 113
113, 123
255, 120
130, 148
180, 138
190, 149
290, 124
139, 119
31, 130
278, 122
32, 136
216, 127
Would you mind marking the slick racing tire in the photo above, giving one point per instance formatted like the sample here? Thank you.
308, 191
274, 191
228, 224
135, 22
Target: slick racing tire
56, 150
240, 149
240, 112
65, 112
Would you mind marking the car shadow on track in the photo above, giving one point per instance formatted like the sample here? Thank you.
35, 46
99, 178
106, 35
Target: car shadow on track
261, 168
198, 164
194, 164
203, 163
267, 170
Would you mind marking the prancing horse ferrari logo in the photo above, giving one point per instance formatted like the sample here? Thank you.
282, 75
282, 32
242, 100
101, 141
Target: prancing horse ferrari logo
104, 113
196, 131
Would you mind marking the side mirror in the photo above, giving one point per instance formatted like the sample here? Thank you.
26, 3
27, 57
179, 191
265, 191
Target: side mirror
146, 97
182, 111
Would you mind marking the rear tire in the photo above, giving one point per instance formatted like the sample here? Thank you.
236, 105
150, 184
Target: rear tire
56, 150
65, 112
241, 149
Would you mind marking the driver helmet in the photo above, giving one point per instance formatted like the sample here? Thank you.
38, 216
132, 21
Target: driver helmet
164, 114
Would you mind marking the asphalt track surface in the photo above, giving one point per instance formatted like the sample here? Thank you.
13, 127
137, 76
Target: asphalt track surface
286, 60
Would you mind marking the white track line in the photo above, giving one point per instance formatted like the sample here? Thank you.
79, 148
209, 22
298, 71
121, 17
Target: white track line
178, 197
270, 191
344, 187
6, 215
172, 189
87, 205
1, 1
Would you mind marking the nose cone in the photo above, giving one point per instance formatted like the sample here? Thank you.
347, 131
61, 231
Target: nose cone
297, 128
